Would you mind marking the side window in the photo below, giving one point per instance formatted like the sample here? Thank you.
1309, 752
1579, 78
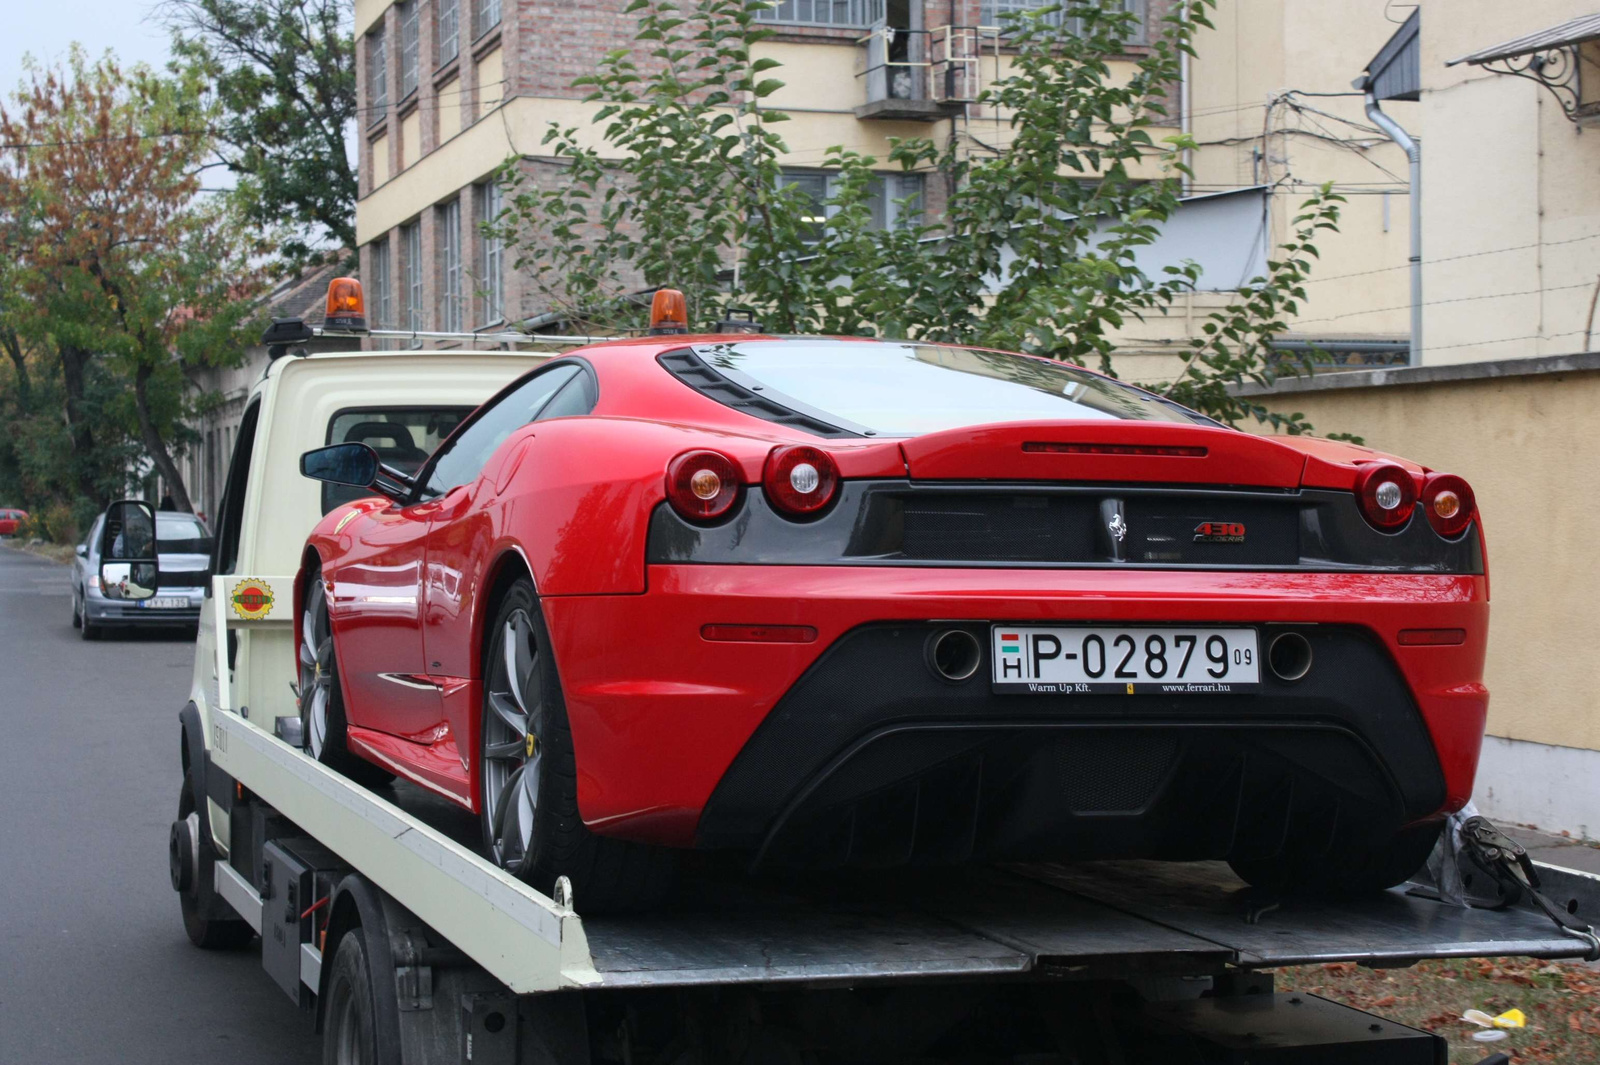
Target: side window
576, 397
226, 555
462, 457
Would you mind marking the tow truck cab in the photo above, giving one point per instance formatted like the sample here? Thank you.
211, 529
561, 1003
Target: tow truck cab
403, 404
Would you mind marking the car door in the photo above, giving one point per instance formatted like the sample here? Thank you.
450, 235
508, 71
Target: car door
460, 533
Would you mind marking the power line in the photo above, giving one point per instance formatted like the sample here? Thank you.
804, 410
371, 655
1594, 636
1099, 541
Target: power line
1456, 299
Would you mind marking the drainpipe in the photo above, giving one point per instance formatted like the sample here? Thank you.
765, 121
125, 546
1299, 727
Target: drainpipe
1414, 154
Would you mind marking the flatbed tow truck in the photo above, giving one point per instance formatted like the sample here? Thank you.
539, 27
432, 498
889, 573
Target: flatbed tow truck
379, 917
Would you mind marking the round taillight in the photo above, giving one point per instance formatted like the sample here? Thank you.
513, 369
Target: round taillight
1386, 494
702, 485
800, 480
1448, 502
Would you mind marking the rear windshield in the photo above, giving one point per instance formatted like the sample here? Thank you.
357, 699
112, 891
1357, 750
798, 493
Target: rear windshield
906, 389
181, 534
403, 437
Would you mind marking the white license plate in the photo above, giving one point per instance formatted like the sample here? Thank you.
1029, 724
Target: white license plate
164, 602
1091, 659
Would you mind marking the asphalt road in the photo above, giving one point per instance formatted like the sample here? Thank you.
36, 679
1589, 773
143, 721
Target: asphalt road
94, 965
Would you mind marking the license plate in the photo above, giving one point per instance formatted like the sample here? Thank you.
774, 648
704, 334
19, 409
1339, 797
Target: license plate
1104, 659
164, 602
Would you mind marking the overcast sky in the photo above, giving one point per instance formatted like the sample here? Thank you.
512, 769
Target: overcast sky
47, 28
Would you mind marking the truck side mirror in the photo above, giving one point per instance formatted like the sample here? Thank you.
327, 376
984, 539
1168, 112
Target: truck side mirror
354, 464
129, 568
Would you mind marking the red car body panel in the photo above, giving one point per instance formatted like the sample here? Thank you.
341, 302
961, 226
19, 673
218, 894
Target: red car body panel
658, 713
9, 525
639, 679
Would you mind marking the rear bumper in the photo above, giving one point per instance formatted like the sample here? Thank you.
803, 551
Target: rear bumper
110, 612
688, 742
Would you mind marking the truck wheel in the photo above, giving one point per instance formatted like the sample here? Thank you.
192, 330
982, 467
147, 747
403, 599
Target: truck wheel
349, 1034
191, 861
321, 699
1354, 871
529, 779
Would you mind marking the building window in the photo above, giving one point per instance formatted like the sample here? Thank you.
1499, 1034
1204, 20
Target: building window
412, 281
409, 45
379, 286
491, 252
824, 12
449, 230
447, 30
377, 76
992, 12
488, 17
893, 199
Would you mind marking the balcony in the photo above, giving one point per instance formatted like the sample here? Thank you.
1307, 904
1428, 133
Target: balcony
921, 75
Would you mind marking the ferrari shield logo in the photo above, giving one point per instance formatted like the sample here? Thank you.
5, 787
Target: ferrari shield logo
251, 599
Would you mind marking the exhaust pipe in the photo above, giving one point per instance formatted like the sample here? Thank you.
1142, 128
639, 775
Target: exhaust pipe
954, 654
1289, 656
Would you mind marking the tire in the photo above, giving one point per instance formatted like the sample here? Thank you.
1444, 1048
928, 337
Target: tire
527, 773
1354, 871
206, 933
349, 1033
88, 630
322, 718
77, 619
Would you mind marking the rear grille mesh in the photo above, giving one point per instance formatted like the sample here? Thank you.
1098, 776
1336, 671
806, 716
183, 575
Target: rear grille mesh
1041, 527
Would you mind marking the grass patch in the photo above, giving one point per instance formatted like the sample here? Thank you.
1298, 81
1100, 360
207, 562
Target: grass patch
1561, 1000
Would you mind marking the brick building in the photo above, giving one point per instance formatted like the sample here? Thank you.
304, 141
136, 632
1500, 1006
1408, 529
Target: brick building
449, 89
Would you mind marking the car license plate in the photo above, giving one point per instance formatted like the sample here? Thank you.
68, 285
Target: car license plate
164, 602
1155, 660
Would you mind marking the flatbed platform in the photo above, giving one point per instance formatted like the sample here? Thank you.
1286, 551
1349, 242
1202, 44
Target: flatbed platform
1094, 920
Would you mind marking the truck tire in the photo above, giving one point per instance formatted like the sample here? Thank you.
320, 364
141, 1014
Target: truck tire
193, 883
322, 717
349, 1033
529, 776
1352, 871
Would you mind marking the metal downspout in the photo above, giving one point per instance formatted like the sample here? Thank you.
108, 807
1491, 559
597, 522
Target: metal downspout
1414, 154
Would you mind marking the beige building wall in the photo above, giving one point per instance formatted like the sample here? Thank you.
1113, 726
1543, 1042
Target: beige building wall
1511, 207
1253, 131
1526, 443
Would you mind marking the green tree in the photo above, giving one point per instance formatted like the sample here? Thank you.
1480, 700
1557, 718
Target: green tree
1037, 249
284, 82
117, 275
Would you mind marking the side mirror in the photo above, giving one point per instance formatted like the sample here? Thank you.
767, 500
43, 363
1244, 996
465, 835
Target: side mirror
353, 464
128, 565
83, 550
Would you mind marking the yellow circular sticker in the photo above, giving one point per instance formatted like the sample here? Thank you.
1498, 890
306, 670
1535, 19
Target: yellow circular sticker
252, 599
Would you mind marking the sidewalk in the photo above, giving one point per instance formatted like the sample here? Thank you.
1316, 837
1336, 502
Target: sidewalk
1564, 851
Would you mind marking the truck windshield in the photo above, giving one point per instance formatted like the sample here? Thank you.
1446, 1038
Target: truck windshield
905, 389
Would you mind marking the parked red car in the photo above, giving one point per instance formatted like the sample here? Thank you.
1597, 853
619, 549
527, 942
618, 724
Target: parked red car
11, 521
836, 602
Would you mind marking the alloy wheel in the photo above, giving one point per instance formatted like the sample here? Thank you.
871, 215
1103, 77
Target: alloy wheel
316, 668
512, 754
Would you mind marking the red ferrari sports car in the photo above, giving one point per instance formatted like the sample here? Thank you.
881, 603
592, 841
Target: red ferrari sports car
834, 602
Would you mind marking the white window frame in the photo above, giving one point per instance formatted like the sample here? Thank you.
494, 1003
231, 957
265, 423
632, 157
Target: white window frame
894, 187
491, 253
411, 280
447, 30
380, 287
449, 237
989, 13
377, 77
850, 14
485, 17
410, 45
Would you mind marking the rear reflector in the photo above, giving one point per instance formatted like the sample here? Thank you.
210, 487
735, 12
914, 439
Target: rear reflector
758, 633
1050, 447
1432, 637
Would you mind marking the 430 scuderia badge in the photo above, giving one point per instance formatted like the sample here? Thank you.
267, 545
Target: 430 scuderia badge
252, 599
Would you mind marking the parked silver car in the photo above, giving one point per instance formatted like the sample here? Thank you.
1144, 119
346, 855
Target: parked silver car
183, 544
